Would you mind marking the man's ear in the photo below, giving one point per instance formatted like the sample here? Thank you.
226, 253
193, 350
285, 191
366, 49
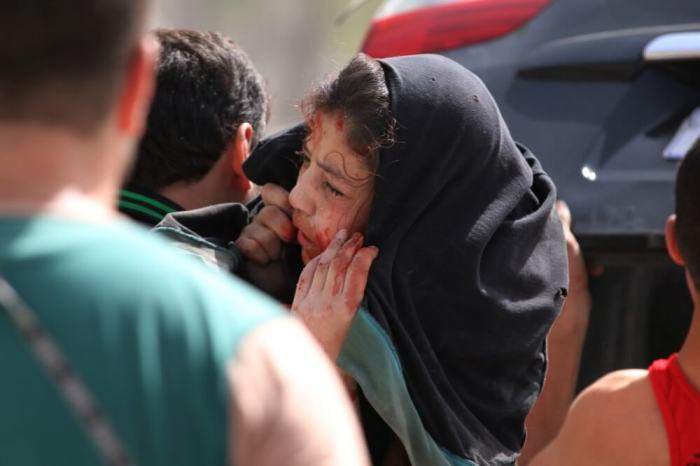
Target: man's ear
138, 87
671, 241
240, 150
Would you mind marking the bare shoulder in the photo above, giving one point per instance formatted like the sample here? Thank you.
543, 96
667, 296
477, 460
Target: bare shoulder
617, 412
614, 421
619, 382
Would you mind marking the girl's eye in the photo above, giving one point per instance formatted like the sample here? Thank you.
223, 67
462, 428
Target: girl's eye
332, 190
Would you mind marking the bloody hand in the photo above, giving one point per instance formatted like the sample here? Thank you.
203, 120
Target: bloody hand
331, 288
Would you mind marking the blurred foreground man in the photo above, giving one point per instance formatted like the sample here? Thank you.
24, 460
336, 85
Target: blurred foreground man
647, 417
113, 350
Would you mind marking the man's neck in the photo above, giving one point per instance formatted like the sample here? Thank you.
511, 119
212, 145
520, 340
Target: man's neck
216, 187
689, 354
199, 194
186, 196
49, 170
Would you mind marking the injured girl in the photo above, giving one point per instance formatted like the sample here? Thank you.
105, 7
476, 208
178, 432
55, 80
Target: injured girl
406, 165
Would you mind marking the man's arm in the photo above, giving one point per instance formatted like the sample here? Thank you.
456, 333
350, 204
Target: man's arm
564, 347
288, 404
564, 354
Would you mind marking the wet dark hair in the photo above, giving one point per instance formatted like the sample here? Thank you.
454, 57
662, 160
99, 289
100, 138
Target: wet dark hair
361, 95
206, 87
63, 63
688, 211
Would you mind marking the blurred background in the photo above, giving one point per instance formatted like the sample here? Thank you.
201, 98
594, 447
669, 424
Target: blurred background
293, 43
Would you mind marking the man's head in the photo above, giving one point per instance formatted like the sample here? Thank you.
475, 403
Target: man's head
66, 64
683, 229
75, 85
210, 107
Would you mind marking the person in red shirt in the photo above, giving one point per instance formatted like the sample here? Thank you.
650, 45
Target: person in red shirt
646, 417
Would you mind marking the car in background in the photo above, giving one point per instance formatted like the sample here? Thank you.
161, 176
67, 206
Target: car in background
603, 92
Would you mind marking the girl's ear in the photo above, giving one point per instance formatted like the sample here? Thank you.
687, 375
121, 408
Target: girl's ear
671, 241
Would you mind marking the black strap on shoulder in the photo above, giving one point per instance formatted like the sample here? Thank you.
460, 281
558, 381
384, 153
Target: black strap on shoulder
71, 387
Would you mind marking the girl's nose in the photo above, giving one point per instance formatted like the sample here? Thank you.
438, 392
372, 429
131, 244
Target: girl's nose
300, 196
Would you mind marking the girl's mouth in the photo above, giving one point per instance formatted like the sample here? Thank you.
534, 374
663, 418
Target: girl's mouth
304, 240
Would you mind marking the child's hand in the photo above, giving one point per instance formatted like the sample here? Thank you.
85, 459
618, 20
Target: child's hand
261, 241
331, 288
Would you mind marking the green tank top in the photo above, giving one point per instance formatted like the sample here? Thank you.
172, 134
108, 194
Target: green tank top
148, 331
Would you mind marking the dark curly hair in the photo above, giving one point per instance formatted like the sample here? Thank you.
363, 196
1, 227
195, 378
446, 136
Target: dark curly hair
688, 211
206, 87
361, 95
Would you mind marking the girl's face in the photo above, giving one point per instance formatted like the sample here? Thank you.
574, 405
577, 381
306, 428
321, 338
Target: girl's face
334, 189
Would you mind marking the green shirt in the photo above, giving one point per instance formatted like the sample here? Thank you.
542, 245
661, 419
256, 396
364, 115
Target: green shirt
148, 331
145, 206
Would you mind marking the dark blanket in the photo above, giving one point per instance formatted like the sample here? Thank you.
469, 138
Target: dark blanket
472, 265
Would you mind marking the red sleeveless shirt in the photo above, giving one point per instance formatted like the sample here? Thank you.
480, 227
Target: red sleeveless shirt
679, 403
